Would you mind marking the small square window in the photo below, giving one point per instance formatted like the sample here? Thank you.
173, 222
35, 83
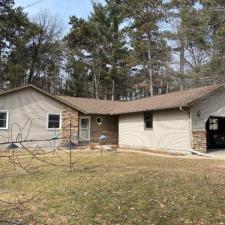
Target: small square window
213, 124
3, 120
54, 121
148, 120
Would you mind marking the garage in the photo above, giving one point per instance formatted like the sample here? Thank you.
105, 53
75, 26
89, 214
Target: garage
215, 133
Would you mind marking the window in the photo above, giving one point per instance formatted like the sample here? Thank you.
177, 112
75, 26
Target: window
4, 116
148, 120
54, 121
213, 124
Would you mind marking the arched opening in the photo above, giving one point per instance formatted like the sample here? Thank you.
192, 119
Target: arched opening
215, 133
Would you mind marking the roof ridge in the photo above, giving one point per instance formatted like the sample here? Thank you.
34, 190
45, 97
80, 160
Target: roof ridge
148, 97
94, 99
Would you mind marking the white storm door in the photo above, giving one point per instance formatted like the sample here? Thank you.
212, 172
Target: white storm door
84, 128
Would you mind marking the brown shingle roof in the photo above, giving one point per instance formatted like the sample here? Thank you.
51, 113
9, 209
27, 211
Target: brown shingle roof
93, 106
168, 101
105, 107
160, 102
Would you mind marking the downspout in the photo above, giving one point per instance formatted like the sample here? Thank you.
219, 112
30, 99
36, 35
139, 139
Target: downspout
192, 151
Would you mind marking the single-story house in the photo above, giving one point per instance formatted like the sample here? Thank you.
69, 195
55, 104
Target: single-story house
178, 121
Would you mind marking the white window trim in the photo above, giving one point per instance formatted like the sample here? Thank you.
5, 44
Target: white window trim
89, 128
7, 120
60, 121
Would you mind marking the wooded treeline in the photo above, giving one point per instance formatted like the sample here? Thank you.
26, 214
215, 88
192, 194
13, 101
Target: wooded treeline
126, 49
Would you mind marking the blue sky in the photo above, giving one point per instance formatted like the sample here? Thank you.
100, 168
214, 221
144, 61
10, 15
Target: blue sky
61, 8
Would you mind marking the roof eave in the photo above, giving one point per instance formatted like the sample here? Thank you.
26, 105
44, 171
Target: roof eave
153, 110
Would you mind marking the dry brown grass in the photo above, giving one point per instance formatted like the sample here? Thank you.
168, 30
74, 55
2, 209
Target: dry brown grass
118, 188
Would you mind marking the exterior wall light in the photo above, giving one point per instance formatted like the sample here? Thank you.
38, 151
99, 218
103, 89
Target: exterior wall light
99, 121
199, 113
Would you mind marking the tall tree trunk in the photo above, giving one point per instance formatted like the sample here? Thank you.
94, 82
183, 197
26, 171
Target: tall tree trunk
105, 93
150, 71
113, 90
167, 88
182, 62
96, 80
96, 86
31, 73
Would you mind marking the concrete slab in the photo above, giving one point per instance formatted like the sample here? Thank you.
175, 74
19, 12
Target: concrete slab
218, 153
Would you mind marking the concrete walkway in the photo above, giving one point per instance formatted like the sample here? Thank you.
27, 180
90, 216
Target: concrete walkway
220, 154
216, 155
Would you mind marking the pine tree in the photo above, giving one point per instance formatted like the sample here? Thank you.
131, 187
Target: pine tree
115, 47
98, 45
213, 17
13, 25
191, 38
149, 48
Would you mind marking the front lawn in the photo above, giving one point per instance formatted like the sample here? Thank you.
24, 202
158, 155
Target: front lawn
118, 188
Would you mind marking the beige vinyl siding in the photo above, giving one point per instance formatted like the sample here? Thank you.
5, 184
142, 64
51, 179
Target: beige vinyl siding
171, 131
24, 105
213, 105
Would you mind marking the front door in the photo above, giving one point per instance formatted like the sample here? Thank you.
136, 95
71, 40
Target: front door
84, 128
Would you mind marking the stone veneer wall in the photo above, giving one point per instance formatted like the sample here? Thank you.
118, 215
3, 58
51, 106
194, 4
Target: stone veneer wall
67, 115
199, 142
112, 137
109, 128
